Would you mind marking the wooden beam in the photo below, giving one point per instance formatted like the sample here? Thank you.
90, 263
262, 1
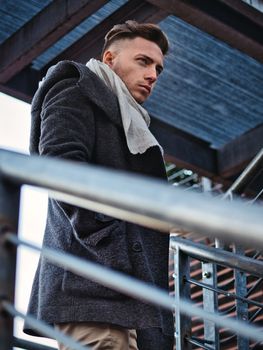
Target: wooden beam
41, 32
90, 45
185, 150
231, 21
15, 93
235, 155
22, 86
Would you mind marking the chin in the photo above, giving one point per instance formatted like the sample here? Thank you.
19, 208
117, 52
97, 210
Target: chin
140, 99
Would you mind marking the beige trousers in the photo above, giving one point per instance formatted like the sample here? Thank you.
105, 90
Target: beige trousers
99, 336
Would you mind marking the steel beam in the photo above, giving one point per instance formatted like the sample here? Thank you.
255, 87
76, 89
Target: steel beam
41, 32
23, 85
235, 155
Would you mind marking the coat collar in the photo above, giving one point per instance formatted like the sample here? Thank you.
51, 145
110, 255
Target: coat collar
90, 85
96, 90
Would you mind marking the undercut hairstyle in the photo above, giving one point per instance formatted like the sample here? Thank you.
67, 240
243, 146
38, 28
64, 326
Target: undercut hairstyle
132, 29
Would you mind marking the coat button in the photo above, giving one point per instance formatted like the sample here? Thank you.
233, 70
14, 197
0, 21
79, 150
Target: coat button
137, 247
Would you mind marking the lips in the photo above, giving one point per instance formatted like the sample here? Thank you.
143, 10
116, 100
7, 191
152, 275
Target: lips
146, 87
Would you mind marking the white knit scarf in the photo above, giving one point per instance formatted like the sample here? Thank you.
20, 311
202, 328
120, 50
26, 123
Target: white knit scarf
135, 118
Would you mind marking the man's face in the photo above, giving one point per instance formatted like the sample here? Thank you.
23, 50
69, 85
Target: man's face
138, 62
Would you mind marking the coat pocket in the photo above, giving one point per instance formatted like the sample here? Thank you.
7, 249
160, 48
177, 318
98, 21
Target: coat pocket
108, 247
103, 217
106, 226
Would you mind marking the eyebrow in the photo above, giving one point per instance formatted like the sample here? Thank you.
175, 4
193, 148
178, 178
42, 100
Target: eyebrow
158, 66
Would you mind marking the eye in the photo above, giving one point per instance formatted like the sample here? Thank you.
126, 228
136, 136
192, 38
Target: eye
143, 60
159, 70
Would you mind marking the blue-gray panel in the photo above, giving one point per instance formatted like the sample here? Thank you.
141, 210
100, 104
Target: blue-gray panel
77, 33
14, 14
208, 89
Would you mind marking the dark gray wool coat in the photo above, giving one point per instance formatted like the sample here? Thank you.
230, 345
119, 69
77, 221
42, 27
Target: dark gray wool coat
76, 117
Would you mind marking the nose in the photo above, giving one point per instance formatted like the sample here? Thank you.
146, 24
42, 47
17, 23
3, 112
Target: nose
151, 75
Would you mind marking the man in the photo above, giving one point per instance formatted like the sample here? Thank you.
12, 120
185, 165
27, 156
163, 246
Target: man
93, 114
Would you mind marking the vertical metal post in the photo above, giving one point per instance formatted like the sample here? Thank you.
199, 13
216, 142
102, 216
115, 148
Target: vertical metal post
210, 298
210, 302
241, 307
9, 210
182, 291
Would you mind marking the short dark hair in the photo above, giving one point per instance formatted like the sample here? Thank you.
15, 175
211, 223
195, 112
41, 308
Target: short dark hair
132, 29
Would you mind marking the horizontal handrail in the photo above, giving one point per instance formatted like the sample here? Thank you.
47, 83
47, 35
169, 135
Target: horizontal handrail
135, 198
134, 288
43, 328
218, 256
29, 345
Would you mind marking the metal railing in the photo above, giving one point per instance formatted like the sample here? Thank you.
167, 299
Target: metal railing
250, 171
205, 286
128, 197
210, 258
133, 198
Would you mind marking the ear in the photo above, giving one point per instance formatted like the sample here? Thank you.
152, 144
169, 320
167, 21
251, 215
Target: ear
108, 58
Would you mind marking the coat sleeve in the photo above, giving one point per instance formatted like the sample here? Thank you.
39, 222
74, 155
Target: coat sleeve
67, 123
68, 132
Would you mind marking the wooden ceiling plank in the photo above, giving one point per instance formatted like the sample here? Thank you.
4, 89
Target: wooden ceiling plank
41, 32
90, 45
231, 21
